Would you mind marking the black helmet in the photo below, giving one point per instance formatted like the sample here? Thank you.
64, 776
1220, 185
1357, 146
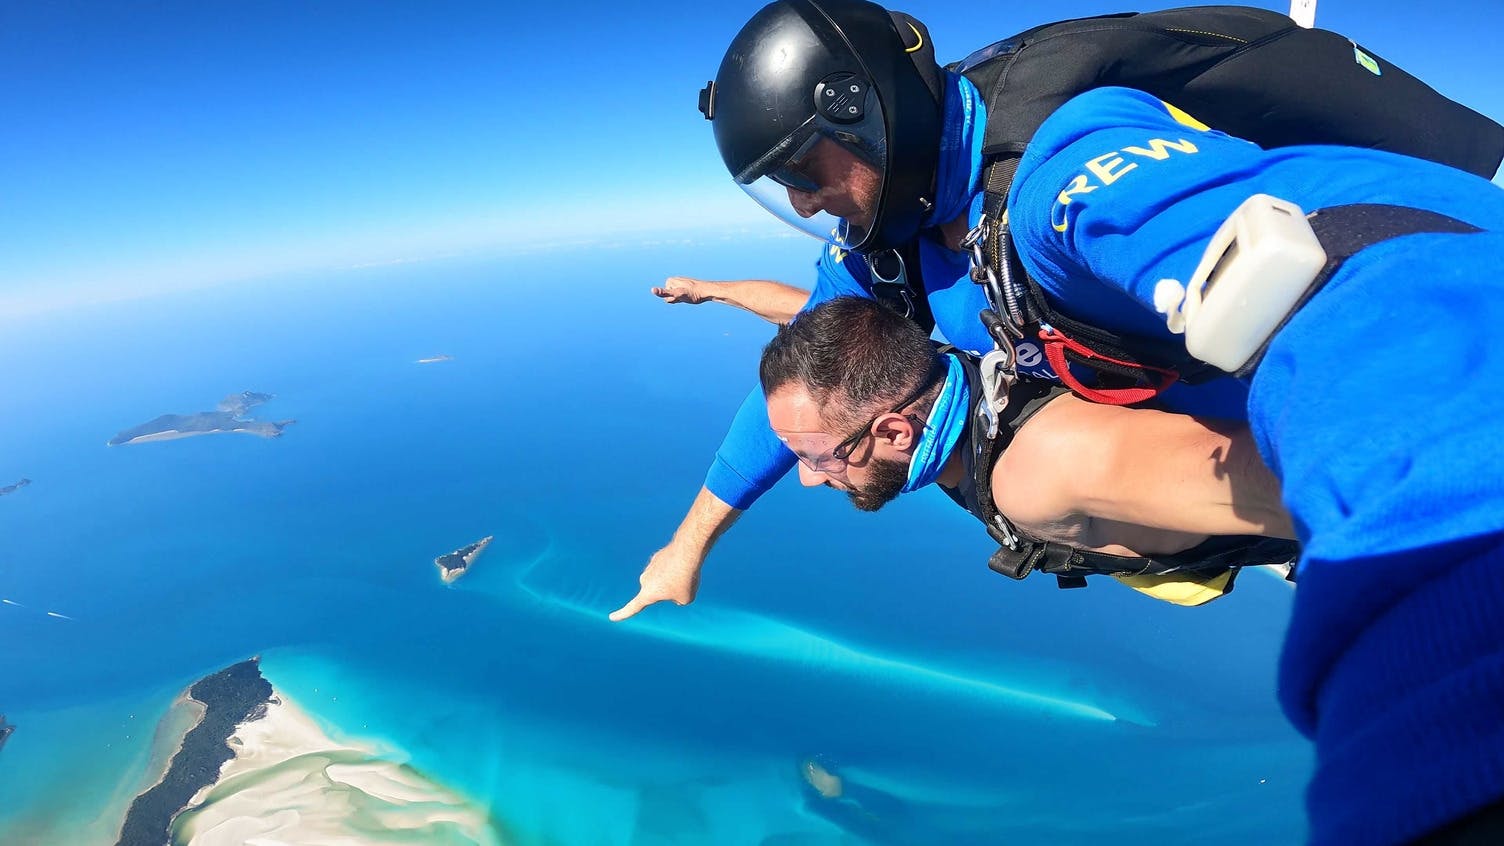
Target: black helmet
845, 71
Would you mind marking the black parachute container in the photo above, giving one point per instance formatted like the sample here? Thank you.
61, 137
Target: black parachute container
1248, 72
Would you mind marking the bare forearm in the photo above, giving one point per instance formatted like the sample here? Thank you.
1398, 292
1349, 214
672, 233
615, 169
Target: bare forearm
673, 573
774, 302
708, 518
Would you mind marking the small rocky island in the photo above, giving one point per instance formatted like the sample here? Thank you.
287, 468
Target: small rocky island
453, 565
6, 729
230, 416
13, 488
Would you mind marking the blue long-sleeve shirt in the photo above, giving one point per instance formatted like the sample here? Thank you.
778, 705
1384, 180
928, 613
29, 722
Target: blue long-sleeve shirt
1378, 405
751, 459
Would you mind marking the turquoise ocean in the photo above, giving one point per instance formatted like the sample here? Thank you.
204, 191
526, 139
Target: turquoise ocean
573, 422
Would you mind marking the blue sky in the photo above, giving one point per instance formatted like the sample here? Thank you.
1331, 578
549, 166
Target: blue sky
157, 145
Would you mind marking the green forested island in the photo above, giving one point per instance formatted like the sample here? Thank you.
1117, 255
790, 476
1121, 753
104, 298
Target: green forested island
229, 416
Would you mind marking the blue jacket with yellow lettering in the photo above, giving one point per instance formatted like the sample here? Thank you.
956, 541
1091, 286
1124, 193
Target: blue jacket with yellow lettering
1377, 404
751, 459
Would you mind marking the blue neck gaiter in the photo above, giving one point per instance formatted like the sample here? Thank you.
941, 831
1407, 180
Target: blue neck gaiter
958, 175
942, 430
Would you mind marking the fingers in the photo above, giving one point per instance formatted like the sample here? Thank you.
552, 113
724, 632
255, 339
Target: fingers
678, 289
636, 604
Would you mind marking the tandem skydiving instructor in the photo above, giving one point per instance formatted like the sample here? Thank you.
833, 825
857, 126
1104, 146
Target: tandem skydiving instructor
1369, 378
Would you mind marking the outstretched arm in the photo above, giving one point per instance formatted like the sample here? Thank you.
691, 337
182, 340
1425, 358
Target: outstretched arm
1139, 467
774, 302
750, 459
673, 573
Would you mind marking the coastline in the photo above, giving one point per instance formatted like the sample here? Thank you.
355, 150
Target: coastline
182, 716
274, 774
260, 429
289, 782
231, 696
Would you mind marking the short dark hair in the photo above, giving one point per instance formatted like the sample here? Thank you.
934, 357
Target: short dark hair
851, 355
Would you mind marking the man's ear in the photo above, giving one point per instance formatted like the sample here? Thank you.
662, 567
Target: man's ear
897, 431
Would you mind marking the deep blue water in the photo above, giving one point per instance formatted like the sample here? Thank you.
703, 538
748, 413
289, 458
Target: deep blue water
574, 423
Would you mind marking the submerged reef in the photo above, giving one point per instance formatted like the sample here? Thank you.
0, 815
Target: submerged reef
13, 488
229, 416
454, 564
231, 696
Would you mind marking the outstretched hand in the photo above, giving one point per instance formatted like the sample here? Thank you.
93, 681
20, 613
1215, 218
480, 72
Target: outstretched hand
682, 289
672, 574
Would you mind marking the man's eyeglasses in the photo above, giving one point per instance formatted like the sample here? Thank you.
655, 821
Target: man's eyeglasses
839, 454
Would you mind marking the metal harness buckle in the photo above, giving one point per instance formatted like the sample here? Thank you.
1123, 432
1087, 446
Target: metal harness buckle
895, 287
998, 376
1008, 538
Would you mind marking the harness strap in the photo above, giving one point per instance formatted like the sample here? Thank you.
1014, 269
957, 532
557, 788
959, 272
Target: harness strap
1345, 230
1060, 350
1007, 272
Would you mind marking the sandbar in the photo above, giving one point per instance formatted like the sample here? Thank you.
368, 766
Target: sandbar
283, 779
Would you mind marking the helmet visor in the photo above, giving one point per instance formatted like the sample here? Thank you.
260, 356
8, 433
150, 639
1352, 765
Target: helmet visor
826, 177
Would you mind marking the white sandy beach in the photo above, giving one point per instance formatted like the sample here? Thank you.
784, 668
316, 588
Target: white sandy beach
290, 783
